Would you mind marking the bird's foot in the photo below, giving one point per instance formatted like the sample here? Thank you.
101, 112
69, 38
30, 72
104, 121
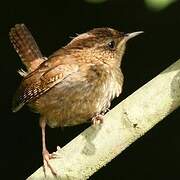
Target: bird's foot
46, 158
55, 155
97, 119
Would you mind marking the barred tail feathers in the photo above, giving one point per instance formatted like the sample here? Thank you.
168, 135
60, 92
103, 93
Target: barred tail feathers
26, 47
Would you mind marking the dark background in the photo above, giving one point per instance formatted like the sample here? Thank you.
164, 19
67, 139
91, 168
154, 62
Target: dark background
156, 155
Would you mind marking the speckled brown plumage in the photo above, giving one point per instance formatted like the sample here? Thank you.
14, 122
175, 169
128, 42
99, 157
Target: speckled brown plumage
74, 84
26, 47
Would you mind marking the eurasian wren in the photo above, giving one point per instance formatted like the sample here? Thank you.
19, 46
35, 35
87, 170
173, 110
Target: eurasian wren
74, 84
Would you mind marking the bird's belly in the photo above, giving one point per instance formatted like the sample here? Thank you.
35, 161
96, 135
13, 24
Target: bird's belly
71, 103
71, 109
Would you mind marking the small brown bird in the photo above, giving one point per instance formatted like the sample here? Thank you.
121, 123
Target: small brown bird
74, 84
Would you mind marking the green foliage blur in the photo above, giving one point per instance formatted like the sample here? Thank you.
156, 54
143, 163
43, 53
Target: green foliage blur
154, 5
158, 5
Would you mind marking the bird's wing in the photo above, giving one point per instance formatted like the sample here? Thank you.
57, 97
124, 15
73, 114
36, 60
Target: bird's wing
26, 47
35, 85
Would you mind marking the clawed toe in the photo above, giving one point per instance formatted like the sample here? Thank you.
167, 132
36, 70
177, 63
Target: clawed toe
55, 155
98, 119
46, 159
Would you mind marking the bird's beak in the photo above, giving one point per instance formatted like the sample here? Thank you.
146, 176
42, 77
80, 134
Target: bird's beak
131, 35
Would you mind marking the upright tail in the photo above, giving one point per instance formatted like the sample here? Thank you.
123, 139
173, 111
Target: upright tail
26, 47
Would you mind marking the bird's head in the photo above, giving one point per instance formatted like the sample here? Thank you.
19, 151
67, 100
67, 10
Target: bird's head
102, 44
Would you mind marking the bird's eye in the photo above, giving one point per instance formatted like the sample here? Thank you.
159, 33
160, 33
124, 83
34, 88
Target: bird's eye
111, 45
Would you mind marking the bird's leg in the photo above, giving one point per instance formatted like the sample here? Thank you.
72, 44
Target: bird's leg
97, 119
45, 153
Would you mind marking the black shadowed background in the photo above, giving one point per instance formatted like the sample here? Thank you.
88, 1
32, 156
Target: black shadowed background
156, 155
